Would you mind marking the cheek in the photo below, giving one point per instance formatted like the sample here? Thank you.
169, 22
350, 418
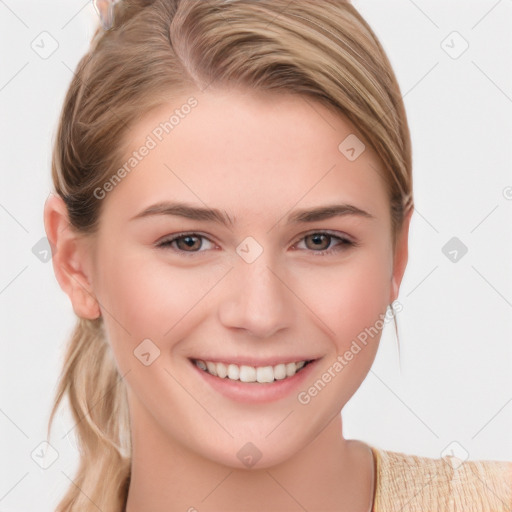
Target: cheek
349, 297
351, 301
147, 297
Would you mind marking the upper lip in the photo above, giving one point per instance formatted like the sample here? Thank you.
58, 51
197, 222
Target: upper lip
251, 361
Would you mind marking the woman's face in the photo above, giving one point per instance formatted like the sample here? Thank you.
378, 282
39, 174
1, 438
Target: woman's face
277, 264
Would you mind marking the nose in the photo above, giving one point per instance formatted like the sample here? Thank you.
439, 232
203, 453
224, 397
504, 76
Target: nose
256, 298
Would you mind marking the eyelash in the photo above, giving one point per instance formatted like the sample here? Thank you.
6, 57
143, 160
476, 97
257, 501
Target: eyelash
344, 243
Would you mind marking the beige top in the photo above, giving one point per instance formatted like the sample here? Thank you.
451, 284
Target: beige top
410, 483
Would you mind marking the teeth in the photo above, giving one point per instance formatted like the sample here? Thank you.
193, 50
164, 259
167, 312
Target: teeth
201, 365
279, 371
265, 374
262, 374
291, 368
222, 370
233, 372
212, 368
247, 374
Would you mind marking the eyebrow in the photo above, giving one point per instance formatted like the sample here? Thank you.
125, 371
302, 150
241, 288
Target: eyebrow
214, 215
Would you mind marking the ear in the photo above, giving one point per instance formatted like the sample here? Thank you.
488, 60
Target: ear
70, 258
401, 256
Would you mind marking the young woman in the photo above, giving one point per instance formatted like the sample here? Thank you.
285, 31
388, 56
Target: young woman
233, 192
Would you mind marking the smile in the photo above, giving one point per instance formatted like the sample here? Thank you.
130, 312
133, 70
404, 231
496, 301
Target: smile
244, 373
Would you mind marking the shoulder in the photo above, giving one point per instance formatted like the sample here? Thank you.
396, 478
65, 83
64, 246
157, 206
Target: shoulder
411, 483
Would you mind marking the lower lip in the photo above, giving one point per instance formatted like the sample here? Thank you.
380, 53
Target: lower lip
256, 392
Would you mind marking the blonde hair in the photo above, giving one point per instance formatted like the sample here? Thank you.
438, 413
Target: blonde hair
158, 50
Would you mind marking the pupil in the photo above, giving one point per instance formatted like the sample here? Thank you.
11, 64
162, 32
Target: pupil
318, 239
189, 241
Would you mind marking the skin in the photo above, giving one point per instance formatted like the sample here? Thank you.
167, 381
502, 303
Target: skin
258, 157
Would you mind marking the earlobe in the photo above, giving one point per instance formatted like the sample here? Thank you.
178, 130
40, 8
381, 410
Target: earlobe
401, 256
70, 257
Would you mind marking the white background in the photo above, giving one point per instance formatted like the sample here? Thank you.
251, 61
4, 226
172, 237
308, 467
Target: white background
453, 381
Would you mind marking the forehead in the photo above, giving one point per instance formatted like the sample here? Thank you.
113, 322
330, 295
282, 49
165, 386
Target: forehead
242, 150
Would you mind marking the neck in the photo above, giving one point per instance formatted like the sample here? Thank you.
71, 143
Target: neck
329, 473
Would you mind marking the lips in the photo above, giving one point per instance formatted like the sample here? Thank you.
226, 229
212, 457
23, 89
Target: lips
258, 391
263, 373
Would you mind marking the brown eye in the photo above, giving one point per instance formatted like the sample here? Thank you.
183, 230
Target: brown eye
185, 243
188, 242
319, 241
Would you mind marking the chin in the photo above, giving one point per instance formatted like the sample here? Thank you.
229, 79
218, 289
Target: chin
251, 455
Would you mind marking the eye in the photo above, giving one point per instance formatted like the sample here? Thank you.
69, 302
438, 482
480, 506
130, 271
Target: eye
186, 242
319, 242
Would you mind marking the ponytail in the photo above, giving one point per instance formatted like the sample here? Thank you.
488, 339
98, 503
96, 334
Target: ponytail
99, 407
